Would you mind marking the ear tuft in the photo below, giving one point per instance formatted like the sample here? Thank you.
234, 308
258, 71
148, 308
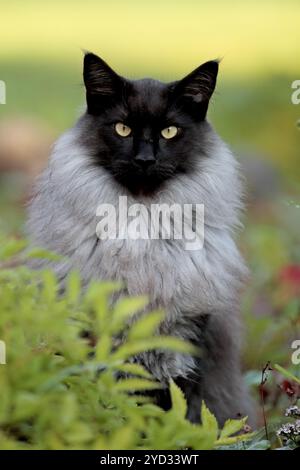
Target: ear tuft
98, 75
199, 85
101, 82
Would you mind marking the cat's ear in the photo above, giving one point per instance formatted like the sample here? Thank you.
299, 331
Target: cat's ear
196, 89
102, 84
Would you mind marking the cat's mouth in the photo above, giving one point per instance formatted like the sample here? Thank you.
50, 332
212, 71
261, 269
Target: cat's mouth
142, 179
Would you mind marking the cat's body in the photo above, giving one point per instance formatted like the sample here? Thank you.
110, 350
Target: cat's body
199, 289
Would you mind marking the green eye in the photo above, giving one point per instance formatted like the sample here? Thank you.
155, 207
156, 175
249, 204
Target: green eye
169, 132
122, 130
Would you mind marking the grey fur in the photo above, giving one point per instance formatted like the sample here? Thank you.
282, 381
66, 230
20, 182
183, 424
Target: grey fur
189, 285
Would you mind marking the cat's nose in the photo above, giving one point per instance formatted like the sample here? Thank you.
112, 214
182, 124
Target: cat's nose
144, 160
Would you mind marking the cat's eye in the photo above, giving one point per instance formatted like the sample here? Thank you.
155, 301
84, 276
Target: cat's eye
169, 132
122, 130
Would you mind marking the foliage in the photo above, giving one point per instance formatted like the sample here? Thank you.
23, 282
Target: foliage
59, 387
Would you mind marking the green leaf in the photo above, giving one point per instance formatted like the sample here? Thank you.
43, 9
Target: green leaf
40, 253
146, 326
98, 297
134, 369
50, 286
131, 385
179, 404
124, 310
121, 439
73, 287
161, 343
11, 248
232, 426
103, 348
130, 306
234, 440
209, 422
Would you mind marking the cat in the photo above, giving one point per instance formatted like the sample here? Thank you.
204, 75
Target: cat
151, 142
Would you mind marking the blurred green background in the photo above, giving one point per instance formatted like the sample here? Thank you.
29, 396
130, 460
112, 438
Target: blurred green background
259, 42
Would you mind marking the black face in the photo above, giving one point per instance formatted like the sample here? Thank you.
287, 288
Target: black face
145, 132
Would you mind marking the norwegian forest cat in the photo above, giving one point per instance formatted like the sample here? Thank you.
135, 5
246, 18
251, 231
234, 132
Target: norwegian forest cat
150, 141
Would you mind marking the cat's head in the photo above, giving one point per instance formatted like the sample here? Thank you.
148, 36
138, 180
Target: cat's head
145, 132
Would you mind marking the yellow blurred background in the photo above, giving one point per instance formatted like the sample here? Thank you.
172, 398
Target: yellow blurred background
164, 37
